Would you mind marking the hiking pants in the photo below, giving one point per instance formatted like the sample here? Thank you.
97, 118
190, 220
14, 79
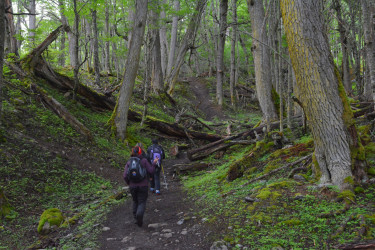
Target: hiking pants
155, 181
139, 195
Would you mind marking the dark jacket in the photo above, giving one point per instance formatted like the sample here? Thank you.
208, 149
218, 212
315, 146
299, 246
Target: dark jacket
154, 146
144, 163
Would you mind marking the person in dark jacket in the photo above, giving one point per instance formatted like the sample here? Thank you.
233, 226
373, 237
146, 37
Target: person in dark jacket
139, 190
155, 178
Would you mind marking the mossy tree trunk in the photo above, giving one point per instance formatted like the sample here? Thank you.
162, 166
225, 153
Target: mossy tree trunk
322, 93
131, 68
262, 61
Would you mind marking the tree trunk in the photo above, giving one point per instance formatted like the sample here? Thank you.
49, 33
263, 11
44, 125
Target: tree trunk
172, 47
2, 40
344, 48
107, 64
262, 61
95, 46
233, 73
157, 72
71, 36
163, 41
76, 49
11, 41
220, 51
321, 92
32, 21
186, 43
62, 50
368, 10
131, 67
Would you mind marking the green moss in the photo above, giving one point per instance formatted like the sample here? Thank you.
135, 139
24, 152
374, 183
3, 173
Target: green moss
53, 216
283, 184
371, 218
371, 171
347, 194
317, 170
359, 190
370, 149
292, 222
349, 180
266, 193
275, 99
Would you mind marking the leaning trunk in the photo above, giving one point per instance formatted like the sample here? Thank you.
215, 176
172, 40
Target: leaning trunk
131, 68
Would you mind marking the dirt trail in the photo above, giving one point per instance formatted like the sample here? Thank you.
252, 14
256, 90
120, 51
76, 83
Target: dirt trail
203, 101
169, 222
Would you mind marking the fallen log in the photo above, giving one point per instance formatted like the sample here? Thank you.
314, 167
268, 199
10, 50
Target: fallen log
206, 150
188, 168
61, 111
359, 245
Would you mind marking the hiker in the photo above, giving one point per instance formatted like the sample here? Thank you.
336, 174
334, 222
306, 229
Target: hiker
143, 151
153, 152
135, 175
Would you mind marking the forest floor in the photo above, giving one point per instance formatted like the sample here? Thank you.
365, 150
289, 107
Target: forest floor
170, 221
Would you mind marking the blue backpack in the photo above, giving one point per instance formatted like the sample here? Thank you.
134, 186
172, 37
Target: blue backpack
156, 152
136, 172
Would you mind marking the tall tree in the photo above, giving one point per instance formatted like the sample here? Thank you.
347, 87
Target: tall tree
344, 47
10, 30
2, 40
157, 71
131, 67
368, 10
172, 47
71, 36
220, 51
163, 40
95, 44
233, 67
32, 20
262, 62
186, 43
321, 93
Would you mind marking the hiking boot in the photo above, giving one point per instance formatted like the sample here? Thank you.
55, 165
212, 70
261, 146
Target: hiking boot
139, 221
158, 192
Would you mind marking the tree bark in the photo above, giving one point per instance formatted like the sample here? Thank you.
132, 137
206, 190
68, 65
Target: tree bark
131, 68
321, 92
186, 43
262, 61
71, 37
11, 41
157, 71
172, 47
220, 52
163, 40
32, 21
95, 45
344, 48
107, 64
368, 10
2, 40
233, 41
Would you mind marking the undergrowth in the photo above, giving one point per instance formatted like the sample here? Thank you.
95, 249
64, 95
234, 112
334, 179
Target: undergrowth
276, 211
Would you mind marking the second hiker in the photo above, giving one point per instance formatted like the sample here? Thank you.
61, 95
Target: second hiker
153, 152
